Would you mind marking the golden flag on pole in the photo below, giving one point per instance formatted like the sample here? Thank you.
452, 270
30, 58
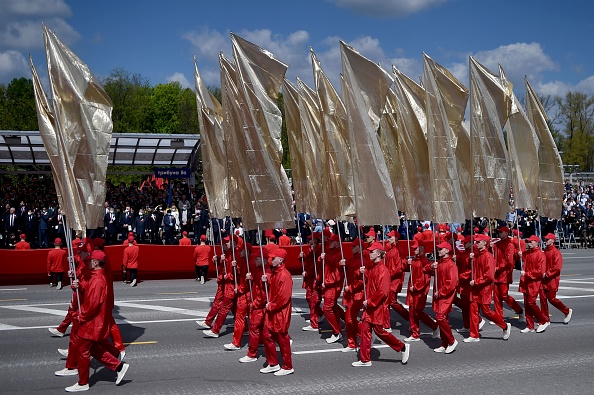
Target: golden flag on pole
366, 87
409, 99
445, 103
212, 148
522, 144
336, 170
490, 106
83, 126
260, 76
388, 140
550, 179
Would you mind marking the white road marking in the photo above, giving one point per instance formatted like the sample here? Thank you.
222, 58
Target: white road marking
193, 313
326, 350
13, 289
33, 309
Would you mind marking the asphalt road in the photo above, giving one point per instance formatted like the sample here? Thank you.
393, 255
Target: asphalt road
169, 355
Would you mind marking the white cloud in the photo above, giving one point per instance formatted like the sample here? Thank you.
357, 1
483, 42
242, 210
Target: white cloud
386, 8
13, 64
181, 78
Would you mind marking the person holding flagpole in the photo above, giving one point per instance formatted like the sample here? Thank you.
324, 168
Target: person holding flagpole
504, 256
311, 282
397, 269
331, 286
444, 290
530, 283
353, 295
550, 280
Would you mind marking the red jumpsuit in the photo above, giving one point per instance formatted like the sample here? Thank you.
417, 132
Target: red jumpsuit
219, 294
534, 266
377, 295
333, 280
418, 283
258, 308
278, 317
504, 257
22, 245
242, 300
114, 331
353, 296
396, 266
229, 295
311, 283
550, 282
464, 288
447, 282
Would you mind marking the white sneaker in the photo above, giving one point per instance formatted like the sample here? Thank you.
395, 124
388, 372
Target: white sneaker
543, 327
122, 355
411, 338
568, 317
527, 330
55, 332
66, 372
77, 388
406, 306
349, 349
59, 286
435, 333
247, 359
472, 339
202, 324
209, 333
358, 364
491, 322
270, 369
307, 321
133, 283
452, 347
507, 331
284, 372
334, 338
439, 349
522, 317
122, 373
405, 353
481, 324
201, 279
309, 328
63, 351
231, 347
389, 330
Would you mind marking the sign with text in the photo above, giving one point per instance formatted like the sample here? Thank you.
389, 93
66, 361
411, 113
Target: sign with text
173, 172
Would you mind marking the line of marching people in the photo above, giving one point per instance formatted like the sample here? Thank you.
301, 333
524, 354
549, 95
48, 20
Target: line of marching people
470, 272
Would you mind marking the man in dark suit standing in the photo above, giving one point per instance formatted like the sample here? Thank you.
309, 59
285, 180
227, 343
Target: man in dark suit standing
140, 226
168, 227
44, 219
109, 225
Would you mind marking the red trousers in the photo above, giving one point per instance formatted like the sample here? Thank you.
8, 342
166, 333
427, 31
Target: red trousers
332, 311
398, 308
216, 305
73, 346
241, 311
66, 323
532, 311
312, 295
445, 331
417, 313
500, 295
463, 302
284, 343
388, 338
116, 336
100, 350
351, 322
256, 331
547, 297
487, 312
224, 308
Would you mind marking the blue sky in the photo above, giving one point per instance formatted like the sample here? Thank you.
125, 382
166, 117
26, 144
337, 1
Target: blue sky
549, 41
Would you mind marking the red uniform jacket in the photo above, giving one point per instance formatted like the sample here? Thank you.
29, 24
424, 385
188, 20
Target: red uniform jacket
309, 260
535, 263
484, 273
131, 257
203, 255
22, 245
447, 282
284, 241
396, 267
258, 289
355, 278
333, 274
184, 241
278, 314
57, 261
377, 293
464, 272
94, 324
504, 256
553, 270
109, 280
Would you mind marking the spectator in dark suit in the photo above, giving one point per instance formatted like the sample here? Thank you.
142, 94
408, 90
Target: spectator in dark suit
140, 223
44, 219
109, 224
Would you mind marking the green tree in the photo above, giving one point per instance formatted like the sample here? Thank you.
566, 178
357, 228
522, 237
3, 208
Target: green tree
17, 105
165, 107
188, 112
576, 114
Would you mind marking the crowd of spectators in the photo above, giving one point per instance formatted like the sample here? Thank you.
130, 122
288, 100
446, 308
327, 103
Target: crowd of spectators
158, 213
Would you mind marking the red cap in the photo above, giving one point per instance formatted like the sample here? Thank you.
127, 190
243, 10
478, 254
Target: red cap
371, 233
355, 241
414, 245
327, 232
259, 252
376, 246
98, 254
515, 231
504, 229
98, 242
58, 241
419, 228
334, 237
458, 229
317, 235
467, 239
268, 233
482, 237
393, 233
445, 245
534, 238
130, 233
279, 252
130, 239
184, 233
203, 238
226, 239
23, 236
426, 226
550, 236
284, 231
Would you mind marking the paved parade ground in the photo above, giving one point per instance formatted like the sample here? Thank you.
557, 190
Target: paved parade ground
168, 354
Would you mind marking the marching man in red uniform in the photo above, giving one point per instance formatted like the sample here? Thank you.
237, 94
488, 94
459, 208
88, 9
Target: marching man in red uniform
219, 262
374, 305
278, 316
464, 277
396, 267
483, 269
352, 297
444, 290
57, 262
504, 255
331, 286
550, 280
534, 266
311, 282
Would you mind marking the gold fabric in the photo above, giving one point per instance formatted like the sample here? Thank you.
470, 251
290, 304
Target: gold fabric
446, 101
260, 76
522, 144
365, 89
490, 106
388, 140
212, 148
337, 172
82, 112
311, 124
464, 165
549, 161
413, 186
